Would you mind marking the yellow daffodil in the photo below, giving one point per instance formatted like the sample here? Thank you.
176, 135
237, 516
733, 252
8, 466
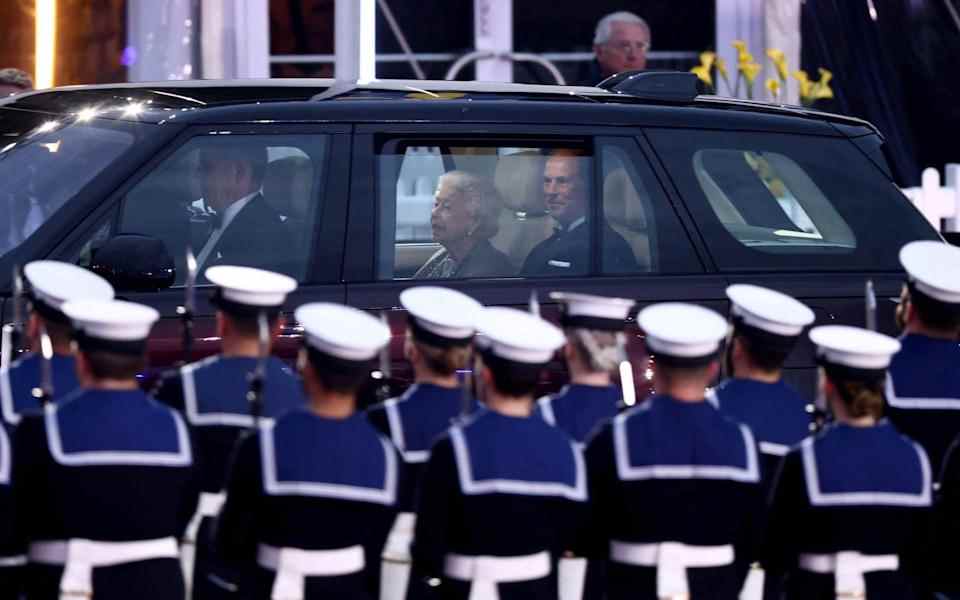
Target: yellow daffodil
821, 89
806, 86
703, 73
825, 76
750, 70
721, 66
780, 62
707, 59
773, 86
742, 53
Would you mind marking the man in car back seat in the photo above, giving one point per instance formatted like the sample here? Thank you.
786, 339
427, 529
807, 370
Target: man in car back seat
464, 218
568, 250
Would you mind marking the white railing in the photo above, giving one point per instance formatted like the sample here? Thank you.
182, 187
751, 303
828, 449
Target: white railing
940, 204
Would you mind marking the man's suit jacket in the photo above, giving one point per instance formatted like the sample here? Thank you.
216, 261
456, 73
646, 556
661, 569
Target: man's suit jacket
568, 253
257, 237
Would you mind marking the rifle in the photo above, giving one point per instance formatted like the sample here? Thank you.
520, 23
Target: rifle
11, 336
386, 369
44, 393
189, 304
870, 305
534, 303
259, 374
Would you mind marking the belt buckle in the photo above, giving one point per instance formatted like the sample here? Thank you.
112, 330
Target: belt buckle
76, 594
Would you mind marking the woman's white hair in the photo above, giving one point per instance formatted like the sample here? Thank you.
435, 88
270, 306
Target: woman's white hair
604, 25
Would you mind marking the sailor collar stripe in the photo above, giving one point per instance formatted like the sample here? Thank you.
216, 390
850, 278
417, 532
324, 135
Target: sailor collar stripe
916, 402
629, 472
181, 458
818, 497
10, 414
274, 487
392, 409
4, 457
474, 487
193, 413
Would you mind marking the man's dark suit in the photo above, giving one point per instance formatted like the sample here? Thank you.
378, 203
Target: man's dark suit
567, 252
257, 237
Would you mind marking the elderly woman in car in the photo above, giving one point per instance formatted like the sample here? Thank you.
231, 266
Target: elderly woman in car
464, 218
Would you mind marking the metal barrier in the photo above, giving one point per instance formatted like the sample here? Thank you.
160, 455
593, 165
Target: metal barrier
468, 58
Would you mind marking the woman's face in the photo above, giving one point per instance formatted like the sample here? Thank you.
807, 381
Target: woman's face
451, 219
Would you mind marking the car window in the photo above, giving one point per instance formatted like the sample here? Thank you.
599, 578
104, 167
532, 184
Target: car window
637, 214
45, 164
247, 200
778, 201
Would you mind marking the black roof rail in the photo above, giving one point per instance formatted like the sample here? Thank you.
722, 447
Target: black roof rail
662, 86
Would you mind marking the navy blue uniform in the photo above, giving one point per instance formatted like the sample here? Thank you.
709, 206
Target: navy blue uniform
775, 413
19, 380
674, 485
923, 393
107, 466
304, 484
509, 488
578, 409
12, 557
212, 395
864, 492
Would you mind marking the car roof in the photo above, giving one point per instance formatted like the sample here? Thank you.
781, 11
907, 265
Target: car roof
279, 100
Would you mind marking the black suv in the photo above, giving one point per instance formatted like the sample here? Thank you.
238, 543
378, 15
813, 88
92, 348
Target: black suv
701, 191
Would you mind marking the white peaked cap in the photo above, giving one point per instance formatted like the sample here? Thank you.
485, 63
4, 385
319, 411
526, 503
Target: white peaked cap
769, 310
682, 330
854, 347
111, 320
934, 268
251, 287
342, 331
517, 336
441, 311
594, 307
53, 283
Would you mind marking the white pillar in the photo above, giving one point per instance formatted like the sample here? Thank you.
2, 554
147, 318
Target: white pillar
493, 31
160, 40
783, 33
355, 40
235, 39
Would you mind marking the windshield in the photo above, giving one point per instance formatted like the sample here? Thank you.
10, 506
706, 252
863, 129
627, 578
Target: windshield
45, 161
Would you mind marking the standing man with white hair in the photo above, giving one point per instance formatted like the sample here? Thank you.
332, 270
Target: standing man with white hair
621, 43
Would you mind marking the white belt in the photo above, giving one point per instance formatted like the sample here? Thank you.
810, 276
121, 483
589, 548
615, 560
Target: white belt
209, 506
80, 557
671, 560
17, 560
293, 565
485, 572
848, 569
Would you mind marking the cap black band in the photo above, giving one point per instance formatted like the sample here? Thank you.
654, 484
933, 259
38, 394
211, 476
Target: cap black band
326, 362
685, 362
239, 309
586, 322
46, 311
88, 343
923, 299
422, 334
764, 340
496, 362
840, 372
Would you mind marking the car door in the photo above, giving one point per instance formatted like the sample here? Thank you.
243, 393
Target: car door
391, 237
811, 216
302, 185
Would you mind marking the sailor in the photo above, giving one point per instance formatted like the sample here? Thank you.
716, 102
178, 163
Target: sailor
12, 556
104, 479
213, 396
438, 344
311, 496
923, 389
850, 506
675, 484
49, 285
504, 493
766, 327
595, 348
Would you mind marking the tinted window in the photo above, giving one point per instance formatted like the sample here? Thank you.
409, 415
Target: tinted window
246, 200
43, 167
777, 201
637, 214
474, 209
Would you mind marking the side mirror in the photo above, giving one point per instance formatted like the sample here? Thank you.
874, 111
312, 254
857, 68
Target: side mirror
135, 263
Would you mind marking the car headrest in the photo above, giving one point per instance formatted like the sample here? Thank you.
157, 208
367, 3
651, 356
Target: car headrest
621, 201
519, 181
286, 185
